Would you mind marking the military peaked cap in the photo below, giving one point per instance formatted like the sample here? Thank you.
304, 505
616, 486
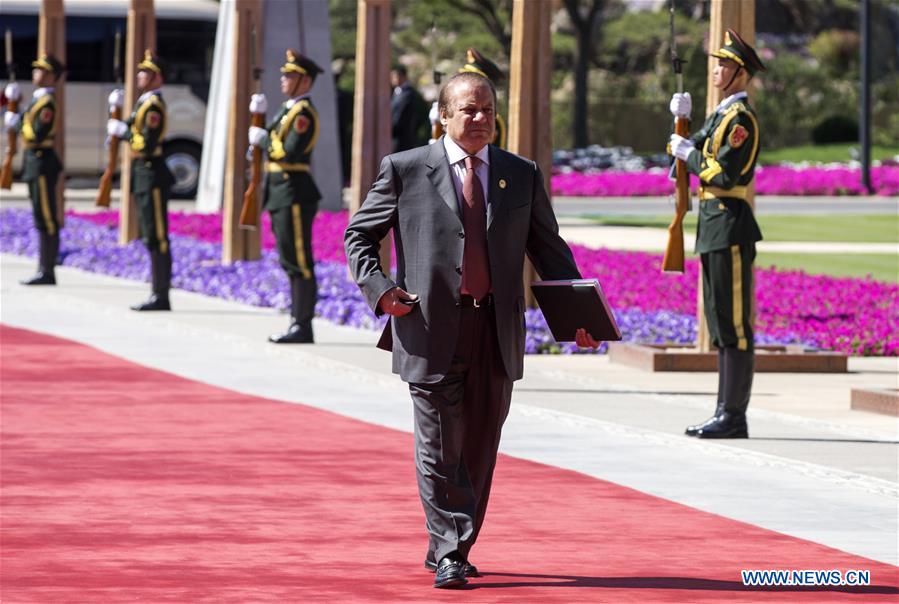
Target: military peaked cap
479, 64
48, 62
737, 50
297, 63
152, 62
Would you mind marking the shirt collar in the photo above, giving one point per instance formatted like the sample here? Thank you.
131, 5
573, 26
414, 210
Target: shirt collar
148, 94
455, 153
731, 99
38, 93
291, 102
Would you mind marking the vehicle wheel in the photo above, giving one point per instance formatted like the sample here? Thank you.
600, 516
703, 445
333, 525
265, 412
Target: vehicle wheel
183, 161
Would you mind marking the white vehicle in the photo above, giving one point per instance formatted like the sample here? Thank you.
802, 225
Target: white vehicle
185, 36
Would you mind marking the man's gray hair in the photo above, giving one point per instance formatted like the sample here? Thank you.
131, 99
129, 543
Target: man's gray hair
475, 79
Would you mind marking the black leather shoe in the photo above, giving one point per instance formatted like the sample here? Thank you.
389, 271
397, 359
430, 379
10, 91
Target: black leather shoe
154, 302
726, 425
41, 278
295, 334
470, 569
695, 430
450, 573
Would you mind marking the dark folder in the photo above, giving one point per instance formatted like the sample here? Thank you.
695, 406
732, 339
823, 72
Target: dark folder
571, 304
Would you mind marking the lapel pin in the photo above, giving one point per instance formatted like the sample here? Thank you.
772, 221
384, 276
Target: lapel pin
502, 183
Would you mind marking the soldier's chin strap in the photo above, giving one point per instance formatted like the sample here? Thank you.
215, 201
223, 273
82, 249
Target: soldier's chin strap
733, 77
296, 85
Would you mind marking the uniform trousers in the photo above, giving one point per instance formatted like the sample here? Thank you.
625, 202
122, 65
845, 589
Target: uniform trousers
458, 422
292, 227
727, 291
153, 216
42, 191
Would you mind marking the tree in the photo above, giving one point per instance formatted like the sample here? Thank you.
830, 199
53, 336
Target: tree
496, 16
583, 15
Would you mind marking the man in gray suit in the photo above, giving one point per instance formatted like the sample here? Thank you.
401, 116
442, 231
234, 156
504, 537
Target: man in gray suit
464, 214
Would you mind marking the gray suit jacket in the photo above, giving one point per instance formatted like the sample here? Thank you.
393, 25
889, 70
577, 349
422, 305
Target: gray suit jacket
414, 195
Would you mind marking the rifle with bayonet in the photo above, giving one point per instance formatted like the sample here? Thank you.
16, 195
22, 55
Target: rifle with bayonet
436, 127
673, 260
249, 212
104, 192
12, 135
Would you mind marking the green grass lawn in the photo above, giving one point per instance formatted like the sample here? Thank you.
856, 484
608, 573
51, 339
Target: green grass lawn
822, 153
845, 227
883, 267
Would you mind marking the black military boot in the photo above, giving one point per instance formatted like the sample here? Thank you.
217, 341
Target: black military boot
719, 407
303, 293
46, 268
161, 274
731, 423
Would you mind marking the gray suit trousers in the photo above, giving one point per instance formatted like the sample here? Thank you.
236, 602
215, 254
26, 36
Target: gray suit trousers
458, 422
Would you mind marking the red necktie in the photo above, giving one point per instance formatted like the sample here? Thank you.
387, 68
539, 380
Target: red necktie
475, 265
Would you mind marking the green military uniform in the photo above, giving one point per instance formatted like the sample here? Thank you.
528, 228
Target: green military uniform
41, 169
479, 64
724, 157
151, 182
292, 197
727, 149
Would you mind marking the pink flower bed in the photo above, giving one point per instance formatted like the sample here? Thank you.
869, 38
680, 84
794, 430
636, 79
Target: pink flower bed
855, 316
327, 230
770, 180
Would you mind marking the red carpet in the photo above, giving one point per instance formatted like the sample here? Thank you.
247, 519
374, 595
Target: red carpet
121, 483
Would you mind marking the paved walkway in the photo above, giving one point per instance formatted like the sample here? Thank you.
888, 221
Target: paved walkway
808, 452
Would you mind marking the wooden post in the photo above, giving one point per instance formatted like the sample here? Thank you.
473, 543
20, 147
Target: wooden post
371, 108
739, 16
141, 34
51, 39
238, 243
530, 126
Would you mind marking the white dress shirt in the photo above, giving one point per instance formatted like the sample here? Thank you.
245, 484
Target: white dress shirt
732, 98
148, 94
456, 156
293, 101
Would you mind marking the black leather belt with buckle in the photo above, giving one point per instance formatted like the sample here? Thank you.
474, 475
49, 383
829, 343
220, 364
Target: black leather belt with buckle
466, 301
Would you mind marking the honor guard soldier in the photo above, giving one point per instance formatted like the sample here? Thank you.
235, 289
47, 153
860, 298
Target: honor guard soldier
150, 178
723, 155
291, 196
479, 64
40, 166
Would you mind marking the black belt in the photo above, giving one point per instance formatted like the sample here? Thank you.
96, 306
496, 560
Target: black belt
466, 301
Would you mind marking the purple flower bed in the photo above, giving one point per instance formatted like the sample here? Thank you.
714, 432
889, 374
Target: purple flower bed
769, 180
856, 316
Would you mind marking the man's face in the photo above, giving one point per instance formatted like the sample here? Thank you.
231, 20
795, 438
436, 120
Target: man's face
470, 118
294, 84
145, 79
396, 78
723, 74
41, 78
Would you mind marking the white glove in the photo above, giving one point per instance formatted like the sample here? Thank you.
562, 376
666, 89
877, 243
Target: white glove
681, 104
258, 103
11, 119
256, 135
116, 128
680, 147
434, 114
116, 98
13, 92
